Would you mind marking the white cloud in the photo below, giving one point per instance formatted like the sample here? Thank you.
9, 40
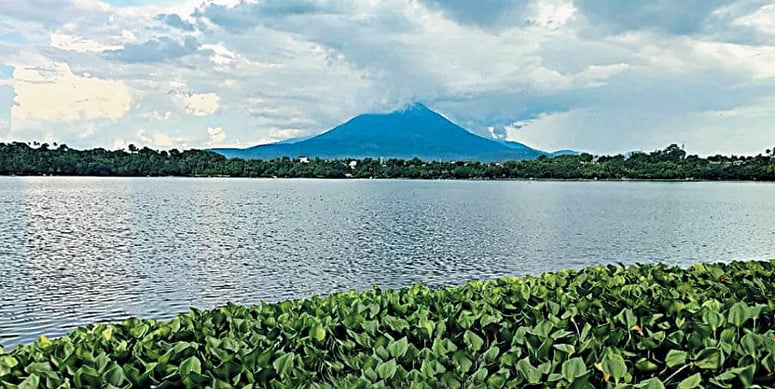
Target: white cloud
163, 140
220, 54
202, 104
217, 136
53, 93
80, 44
119, 144
158, 115
550, 14
763, 19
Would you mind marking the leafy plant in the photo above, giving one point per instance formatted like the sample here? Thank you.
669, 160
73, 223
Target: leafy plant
649, 326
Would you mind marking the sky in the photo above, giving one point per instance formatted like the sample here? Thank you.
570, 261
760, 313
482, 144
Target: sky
603, 76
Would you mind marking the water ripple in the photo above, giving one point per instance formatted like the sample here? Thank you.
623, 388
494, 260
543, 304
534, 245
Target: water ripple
75, 251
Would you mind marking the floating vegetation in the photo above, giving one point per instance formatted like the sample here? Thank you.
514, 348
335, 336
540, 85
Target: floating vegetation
650, 326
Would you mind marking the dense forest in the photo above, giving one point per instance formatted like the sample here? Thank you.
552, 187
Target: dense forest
671, 163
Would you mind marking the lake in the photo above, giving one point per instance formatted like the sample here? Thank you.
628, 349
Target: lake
75, 251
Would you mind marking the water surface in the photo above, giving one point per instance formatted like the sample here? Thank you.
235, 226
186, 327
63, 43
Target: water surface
75, 251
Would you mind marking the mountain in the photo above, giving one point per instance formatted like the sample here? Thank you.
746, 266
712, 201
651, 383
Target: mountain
520, 146
415, 131
563, 152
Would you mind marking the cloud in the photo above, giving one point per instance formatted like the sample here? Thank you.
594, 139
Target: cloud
217, 136
54, 93
202, 104
156, 50
481, 14
161, 140
251, 14
220, 54
76, 43
174, 20
51, 13
602, 76
665, 16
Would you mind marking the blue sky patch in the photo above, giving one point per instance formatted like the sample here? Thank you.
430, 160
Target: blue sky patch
6, 72
13, 37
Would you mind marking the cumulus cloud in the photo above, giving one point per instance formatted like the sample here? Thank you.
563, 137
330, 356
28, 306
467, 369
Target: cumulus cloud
54, 93
217, 135
161, 140
202, 104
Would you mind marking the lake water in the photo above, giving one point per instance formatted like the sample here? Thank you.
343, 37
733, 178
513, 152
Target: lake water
75, 251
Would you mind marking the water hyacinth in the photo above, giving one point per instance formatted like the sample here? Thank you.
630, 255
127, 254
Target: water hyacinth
649, 326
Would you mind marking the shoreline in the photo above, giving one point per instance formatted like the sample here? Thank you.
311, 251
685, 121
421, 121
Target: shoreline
666, 180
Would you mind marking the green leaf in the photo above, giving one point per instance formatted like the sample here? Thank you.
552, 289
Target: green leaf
448, 380
566, 348
318, 333
747, 375
114, 375
7, 363
614, 365
31, 382
738, 313
627, 317
427, 369
573, 368
107, 334
190, 365
531, 374
283, 364
713, 319
646, 365
496, 381
693, 381
472, 340
427, 326
750, 344
675, 358
709, 359
480, 375
461, 361
398, 348
386, 370
492, 353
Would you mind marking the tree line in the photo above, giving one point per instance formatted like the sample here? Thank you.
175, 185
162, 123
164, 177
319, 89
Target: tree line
671, 163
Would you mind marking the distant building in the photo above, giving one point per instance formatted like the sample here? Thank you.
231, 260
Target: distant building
303, 160
353, 164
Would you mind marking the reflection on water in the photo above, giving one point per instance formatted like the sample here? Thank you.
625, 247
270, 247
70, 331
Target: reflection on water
79, 250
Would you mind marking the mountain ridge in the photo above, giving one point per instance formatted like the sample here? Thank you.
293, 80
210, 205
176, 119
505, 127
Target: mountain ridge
415, 131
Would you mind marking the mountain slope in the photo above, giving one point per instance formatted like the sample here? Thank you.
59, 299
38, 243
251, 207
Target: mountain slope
413, 132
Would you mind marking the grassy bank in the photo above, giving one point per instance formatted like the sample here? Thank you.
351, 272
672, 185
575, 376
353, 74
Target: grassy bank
649, 326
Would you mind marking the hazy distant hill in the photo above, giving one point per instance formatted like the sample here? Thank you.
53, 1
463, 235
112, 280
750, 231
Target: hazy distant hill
415, 131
